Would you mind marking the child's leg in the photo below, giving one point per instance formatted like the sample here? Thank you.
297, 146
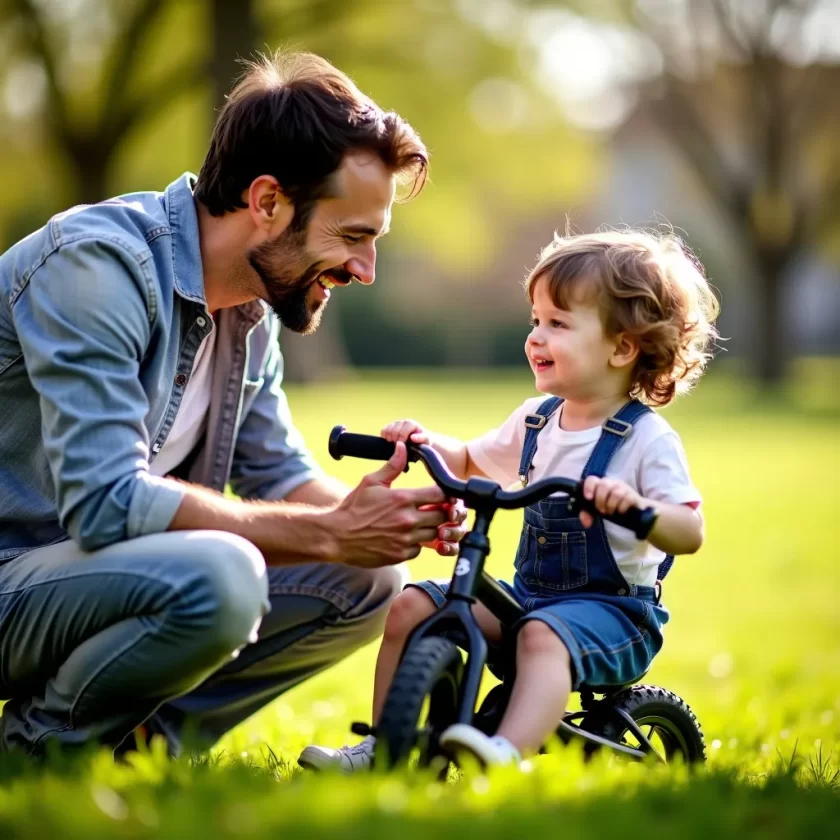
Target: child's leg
409, 608
541, 690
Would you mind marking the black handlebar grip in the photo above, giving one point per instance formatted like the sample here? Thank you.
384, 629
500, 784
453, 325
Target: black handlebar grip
638, 520
359, 446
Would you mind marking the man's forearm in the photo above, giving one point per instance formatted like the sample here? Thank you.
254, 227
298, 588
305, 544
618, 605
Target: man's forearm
320, 492
284, 532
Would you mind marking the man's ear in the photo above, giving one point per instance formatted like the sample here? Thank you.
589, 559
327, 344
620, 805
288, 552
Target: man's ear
626, 350
268, 205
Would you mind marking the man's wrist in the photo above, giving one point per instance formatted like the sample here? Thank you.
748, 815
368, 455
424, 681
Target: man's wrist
328, 530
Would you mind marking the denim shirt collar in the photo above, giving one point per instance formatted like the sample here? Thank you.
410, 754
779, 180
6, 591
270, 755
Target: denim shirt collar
186, 248
186, 251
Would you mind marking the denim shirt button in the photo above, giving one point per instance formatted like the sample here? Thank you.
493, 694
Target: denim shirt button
622, 591
181, 380
541, 540
200, 321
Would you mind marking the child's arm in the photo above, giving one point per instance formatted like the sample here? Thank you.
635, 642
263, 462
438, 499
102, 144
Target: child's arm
678, 529
453, 451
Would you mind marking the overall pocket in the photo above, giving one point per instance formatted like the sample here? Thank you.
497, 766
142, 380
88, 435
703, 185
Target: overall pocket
553, 558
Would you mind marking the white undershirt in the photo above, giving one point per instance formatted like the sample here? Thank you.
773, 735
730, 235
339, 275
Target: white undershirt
191, 419
651, 460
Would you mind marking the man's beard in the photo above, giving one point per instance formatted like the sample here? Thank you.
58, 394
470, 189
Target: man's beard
287, 272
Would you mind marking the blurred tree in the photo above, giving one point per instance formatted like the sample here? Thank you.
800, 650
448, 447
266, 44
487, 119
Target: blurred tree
100, 97
749, 92
88, 58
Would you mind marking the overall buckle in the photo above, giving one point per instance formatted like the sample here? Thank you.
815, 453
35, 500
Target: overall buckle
617, 427
535, 421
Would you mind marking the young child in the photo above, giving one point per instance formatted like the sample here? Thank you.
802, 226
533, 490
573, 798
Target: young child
621, 321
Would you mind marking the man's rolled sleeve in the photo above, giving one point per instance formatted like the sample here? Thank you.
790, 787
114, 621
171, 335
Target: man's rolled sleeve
154, 503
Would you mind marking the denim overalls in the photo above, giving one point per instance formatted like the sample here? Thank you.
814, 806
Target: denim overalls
556, 553
567, 577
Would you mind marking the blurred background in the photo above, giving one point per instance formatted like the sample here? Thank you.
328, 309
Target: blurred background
719, 117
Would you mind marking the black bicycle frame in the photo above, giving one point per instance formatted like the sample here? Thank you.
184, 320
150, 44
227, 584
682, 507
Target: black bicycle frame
470, 583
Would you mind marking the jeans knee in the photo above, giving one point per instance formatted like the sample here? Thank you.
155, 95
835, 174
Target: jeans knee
228, 593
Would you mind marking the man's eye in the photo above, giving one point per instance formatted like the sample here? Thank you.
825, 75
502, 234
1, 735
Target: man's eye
353, 240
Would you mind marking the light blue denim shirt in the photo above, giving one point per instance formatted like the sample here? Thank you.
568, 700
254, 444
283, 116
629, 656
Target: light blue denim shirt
101, 314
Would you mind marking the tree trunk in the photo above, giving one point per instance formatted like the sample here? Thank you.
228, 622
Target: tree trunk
772, 337
235, 31
90, 164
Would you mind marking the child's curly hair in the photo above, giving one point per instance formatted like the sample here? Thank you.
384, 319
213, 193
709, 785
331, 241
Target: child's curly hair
648, 285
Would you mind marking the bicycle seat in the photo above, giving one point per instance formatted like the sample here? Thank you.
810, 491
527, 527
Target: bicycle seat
610, 689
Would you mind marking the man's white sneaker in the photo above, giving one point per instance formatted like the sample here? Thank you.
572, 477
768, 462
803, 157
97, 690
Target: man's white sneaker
488, 750
347, 759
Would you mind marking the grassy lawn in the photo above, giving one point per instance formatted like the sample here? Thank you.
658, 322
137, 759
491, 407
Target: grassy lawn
753, 646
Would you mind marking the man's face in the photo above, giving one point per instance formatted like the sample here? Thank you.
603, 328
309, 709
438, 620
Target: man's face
299, 267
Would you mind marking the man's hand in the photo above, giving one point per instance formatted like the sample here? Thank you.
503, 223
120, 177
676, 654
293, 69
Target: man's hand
452, 531
378, 526
609, 496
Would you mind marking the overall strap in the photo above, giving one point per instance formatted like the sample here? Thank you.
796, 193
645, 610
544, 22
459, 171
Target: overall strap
615, 430
534, 423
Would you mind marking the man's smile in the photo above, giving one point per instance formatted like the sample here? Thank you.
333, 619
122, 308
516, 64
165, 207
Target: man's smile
333, 277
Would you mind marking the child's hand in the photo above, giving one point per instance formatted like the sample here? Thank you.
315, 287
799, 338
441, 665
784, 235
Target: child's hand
405, 430
610, 496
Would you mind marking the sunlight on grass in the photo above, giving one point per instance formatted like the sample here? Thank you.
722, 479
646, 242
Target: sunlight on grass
752, 646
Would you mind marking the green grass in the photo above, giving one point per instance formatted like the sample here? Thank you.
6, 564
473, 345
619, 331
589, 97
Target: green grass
753, 645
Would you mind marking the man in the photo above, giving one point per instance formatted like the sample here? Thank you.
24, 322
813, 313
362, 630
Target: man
139, 375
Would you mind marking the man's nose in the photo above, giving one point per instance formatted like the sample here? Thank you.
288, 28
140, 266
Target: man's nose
363, 265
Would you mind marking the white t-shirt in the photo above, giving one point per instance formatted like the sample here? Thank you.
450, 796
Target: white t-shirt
191, 419
651, 460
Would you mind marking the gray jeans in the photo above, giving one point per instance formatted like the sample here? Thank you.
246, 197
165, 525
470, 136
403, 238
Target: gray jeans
181, 632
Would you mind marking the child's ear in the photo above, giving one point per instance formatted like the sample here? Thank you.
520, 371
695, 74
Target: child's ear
626, 350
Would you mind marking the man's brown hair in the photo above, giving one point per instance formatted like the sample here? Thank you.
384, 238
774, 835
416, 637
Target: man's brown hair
294, 116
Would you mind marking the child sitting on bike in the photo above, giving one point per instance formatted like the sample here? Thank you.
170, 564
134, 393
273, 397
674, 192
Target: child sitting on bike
621, 321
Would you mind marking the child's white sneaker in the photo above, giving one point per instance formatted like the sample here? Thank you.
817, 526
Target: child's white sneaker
488, 750
347, 759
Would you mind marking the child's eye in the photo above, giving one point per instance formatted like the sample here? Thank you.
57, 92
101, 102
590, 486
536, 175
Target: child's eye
557, 324
534, 322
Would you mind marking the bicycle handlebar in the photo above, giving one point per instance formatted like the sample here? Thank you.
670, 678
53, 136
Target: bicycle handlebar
481, 492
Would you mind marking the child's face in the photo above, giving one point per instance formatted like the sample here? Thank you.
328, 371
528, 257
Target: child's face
568, 349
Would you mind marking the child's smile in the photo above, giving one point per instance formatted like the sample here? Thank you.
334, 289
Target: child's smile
567, 348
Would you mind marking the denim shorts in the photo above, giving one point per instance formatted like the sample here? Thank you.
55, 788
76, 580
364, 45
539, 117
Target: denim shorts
611, 639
